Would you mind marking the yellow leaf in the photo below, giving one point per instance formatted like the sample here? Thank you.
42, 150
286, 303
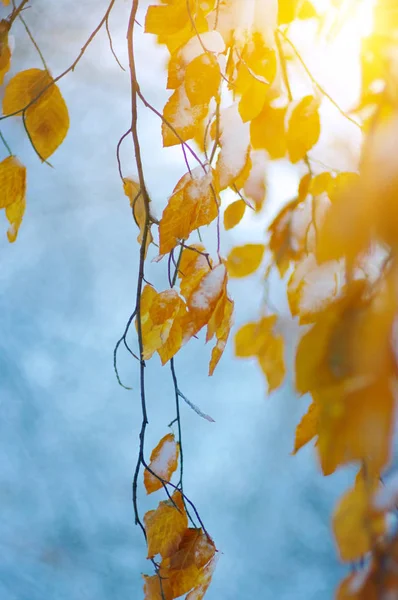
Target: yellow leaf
164, 461
193, 204
244, 260
255, 187
203, 299
307, 429
222, 333
12, 181
267, 131
14, 214
158, 314
133, 192
233, 214
252, 337
202, 79
165, 526
6, 2
194, 264
321, 183
271, 361
47, 119
289, 234
23, 88
354, 526
181, 118
195, 548
304, 128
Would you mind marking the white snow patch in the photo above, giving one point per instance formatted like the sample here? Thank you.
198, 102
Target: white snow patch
235, 141
209, 289
162, 463
211, 40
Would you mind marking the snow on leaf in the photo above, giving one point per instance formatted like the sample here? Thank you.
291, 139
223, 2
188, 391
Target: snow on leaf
203, 582
244, 260
204, 298
235, 143
183, 118
233, 214
193, 204
194, 264
165, 526
164, 461
254, 187
304, 128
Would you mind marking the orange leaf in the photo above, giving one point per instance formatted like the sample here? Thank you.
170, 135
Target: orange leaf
204, 298
307, 429
181, 118
156, 588
233, 214
195, 548
222, 334
244, 260
304, 128
203, 582
353, 524
193, 204
165, 527
164, 461
132, 190
252, 337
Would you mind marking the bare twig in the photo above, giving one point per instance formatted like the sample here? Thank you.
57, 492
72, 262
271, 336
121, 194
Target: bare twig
108, 31
16, 12
35, 44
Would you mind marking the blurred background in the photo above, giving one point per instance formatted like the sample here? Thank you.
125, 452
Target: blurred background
69, 432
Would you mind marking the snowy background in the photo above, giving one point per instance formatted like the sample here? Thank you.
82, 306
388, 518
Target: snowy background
68, 432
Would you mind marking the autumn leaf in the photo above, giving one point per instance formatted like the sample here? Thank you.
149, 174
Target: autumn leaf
233, 214
304, 128
181, 118
354, 526
307, 429
195, 548
13, 191
194, 265
267, 131
157, 588
244, 260
164, 461
222, 333
133, 192
166, 526
254, 187
202, 79
46, 118
193, 204
271, 361
203, 581
204, 298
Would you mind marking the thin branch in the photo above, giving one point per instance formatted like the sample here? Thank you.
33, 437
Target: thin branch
69, 69
111, 44
16, 12
35, 44
3, 139
119, 162
316, 83
141, 273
